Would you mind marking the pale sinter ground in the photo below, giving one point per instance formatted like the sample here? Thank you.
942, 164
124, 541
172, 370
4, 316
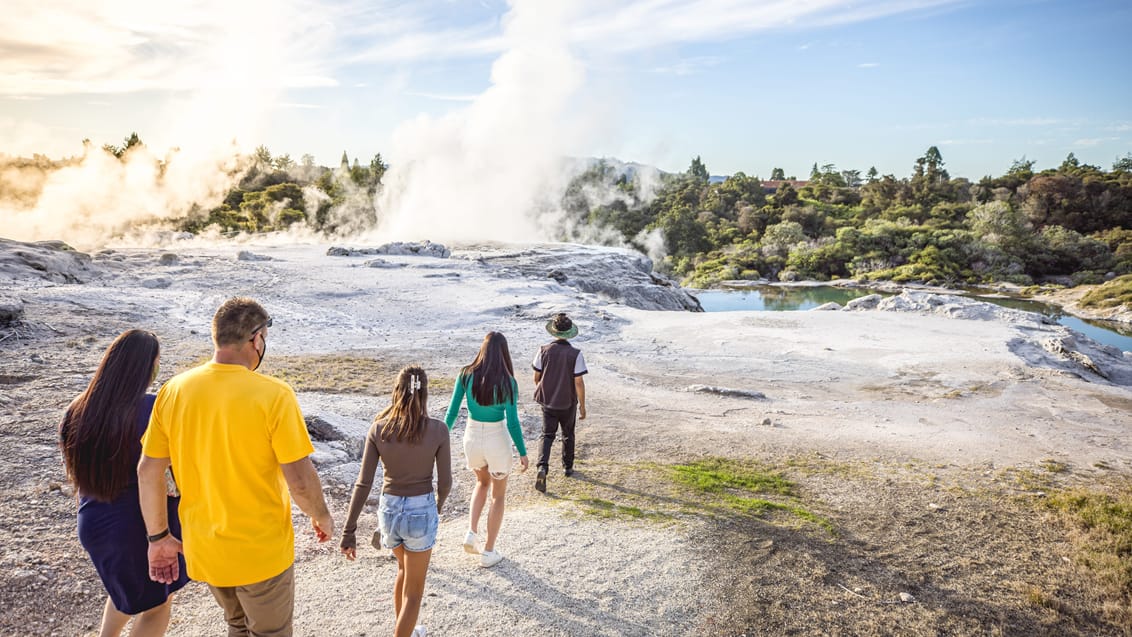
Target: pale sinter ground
892, 423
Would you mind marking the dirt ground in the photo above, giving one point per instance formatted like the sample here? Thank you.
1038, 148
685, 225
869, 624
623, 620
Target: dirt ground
884, 538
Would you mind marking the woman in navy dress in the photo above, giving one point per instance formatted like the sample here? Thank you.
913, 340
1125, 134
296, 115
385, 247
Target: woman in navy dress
100, 437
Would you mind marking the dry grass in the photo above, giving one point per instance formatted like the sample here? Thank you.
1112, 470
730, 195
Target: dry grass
1112, 293
1100, 522
344, 374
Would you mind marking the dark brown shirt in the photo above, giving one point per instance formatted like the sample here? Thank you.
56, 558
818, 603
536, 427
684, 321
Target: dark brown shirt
407, 468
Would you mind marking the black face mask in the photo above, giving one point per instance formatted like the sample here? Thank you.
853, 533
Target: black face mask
261, 354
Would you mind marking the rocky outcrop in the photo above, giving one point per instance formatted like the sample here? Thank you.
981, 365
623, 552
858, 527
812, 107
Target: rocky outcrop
398, 248
617, 274
11, 310
1044, 343
46, 260
951, 305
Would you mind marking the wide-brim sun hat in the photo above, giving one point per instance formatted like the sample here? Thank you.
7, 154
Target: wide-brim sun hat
569, 332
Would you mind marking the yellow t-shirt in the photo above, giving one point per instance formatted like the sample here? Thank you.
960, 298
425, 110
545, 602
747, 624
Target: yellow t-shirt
226, 431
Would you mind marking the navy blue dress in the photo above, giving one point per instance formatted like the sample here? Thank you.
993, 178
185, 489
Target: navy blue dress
113, 533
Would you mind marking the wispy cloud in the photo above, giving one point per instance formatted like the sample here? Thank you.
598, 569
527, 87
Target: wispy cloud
689, 66
1019, 121
444, 97
868, 65
53, 47
1089, 142
965, 142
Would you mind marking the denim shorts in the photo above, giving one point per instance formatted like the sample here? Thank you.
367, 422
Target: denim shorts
408, 520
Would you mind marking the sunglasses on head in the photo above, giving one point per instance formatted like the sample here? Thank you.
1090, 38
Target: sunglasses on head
266, 323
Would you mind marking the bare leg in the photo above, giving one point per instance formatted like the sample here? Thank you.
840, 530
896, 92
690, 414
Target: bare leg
153, 622
113, 620
495, 513
410, 591
479, 497
399, 584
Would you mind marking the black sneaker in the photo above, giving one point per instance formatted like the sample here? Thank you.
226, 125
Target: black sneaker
569, 472
540, 480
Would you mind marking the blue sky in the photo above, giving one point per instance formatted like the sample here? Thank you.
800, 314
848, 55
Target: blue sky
746, 85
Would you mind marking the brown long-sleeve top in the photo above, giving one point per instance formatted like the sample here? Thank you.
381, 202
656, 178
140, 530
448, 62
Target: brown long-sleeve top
408, 470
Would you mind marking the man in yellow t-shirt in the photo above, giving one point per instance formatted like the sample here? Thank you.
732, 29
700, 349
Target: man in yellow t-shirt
236, 441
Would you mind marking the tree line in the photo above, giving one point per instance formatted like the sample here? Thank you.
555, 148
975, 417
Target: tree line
1073, 221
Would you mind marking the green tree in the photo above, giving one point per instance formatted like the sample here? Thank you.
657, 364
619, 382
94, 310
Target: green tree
377, 168
1123, 164
1070, 165
262, 156
781, 237
777, 174
1021, 168
1003, 226
132, 140
684, 235
284, 162
698, 171
929, 183
785, 195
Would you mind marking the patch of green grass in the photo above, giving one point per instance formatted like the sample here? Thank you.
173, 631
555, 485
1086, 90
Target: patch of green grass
1110, 294
1103, 525
736, 486
717, 475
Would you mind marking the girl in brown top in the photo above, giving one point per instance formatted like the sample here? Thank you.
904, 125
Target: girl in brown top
409, 444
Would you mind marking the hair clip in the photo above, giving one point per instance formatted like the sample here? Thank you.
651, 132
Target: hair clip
414, 384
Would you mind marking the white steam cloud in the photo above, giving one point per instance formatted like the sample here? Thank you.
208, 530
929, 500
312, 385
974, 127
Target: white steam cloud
99, 197
490, 170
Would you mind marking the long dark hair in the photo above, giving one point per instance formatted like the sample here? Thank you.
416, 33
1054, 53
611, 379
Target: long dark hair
404, 419
490, 374
99, 433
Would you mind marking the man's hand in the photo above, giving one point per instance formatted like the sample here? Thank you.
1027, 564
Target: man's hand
323, 528
163, 564
306, 489
581, 412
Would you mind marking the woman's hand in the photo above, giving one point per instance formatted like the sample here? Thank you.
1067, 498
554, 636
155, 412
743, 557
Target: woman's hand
349, 547
525, 463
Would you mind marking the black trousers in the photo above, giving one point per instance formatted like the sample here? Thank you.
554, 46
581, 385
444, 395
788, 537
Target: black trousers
552, 419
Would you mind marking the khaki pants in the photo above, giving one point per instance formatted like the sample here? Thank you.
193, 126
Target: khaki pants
263, 609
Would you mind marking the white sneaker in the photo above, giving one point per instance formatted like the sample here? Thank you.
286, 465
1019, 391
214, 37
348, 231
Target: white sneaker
470, 544
490, 558
419, 631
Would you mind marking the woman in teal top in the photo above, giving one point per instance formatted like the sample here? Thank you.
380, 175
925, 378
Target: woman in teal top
491, 390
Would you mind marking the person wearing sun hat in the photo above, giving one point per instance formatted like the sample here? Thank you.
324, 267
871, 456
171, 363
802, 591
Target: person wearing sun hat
559, 388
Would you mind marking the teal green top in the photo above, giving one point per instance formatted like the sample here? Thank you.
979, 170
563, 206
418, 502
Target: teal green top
488, 413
